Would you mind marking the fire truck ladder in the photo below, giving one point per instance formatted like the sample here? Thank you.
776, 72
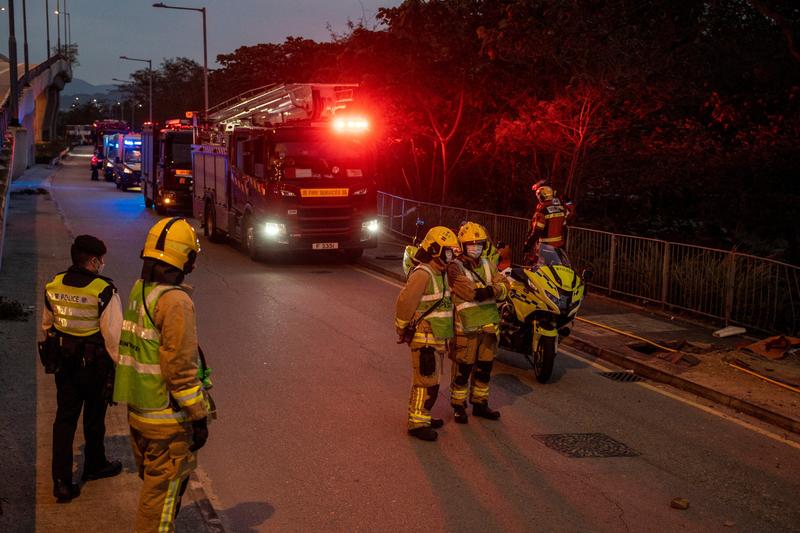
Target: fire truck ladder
281, 103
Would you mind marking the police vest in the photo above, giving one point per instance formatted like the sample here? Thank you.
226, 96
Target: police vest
76, 310
474, 315
139, 382
441, 318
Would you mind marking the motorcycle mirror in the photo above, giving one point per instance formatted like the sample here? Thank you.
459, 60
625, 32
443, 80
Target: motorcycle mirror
587, 275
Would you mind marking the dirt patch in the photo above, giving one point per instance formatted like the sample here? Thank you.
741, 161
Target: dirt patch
12, 310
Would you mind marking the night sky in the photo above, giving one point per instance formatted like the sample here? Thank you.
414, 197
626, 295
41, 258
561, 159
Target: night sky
107, 29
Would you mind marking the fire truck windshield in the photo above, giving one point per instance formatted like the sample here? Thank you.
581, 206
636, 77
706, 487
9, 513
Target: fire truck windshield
133, 154
321, 157
180, 150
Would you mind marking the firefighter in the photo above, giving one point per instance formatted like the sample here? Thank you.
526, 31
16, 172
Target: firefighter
81, 321
477, 286
96, 165
157, 375
549, 220
424, 320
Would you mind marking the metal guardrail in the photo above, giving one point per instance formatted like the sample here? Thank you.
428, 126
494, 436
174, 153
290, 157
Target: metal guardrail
737, 288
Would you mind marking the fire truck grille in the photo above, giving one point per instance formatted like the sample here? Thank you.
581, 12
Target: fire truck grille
326, 220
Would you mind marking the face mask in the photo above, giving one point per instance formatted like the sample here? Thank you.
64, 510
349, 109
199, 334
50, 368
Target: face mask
474, 250
100, 266
448, 256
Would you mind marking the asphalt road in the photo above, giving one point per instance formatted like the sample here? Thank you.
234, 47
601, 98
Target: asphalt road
312, 393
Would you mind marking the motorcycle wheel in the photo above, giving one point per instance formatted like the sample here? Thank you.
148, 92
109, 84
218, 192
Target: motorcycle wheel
544, 358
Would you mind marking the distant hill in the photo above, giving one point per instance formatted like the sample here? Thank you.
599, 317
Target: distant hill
77, 86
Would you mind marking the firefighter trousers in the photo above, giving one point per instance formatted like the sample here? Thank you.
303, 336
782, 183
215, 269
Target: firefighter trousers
165, 462
426, 366
473, 355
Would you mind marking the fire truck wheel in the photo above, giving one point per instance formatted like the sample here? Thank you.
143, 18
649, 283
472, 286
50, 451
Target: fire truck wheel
250, 241
210, 224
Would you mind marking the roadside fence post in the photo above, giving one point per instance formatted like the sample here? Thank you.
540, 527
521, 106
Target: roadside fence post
612, 262
403, 216
665, 275
729, 287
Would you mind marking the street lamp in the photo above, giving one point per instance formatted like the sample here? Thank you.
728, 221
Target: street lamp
25, 36
47, 23
57, 13
205, 49
12, 67
150, 81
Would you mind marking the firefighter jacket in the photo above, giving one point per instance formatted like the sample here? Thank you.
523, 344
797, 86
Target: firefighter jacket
426, 287
82, 304
465, 276
547, 224
157, 375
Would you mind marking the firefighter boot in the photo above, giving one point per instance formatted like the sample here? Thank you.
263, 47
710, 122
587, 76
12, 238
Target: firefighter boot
436, 423
484, 411
460, 414
424, 433
64, 491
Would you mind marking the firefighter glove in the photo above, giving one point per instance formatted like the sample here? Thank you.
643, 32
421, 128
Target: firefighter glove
484, 293
199, 434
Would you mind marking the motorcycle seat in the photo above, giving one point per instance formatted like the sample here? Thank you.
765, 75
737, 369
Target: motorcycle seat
518, 274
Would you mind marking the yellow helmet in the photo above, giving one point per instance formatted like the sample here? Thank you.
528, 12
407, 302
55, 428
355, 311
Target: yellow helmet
173, 241
472, 232
437, 239
543, 192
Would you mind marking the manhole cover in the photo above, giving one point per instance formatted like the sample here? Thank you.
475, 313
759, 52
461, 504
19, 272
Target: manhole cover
322, 272
626, 377
581, 445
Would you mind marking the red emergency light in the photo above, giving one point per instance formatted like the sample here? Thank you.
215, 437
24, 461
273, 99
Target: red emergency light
350, 124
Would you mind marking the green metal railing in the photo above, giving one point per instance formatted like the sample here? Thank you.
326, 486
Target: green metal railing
736, 288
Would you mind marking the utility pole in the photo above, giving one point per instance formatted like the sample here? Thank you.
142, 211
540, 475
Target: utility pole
25, 36
13, 103
47, 23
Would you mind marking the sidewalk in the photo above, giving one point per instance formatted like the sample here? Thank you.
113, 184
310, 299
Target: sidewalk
36, 247
701, 365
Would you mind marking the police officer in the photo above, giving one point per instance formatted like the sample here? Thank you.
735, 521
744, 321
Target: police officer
477, 285
424, 319
82, 318
158, 376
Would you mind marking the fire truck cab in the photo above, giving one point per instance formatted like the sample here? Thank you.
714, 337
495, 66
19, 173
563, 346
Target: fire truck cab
167, 166
288, 175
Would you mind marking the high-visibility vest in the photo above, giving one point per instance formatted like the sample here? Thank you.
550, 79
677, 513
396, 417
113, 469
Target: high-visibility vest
76, 310
441, 318
474, 315
138, 381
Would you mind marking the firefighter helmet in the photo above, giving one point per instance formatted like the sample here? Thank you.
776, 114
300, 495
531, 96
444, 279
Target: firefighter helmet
470, 232
543, 192
437, 240
173, 241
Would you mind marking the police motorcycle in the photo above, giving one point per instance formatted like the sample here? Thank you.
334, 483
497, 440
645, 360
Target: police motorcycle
543, 302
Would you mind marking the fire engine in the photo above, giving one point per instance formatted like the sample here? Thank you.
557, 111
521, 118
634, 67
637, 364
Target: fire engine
287, 167
167, 166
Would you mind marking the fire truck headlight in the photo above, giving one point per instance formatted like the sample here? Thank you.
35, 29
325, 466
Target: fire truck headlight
371, 226
360, 192
273, 229
109, 164
126, 170
284, 192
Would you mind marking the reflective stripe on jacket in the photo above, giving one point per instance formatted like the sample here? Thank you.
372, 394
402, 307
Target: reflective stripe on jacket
76, 310
440, 319
139, 381
473, 315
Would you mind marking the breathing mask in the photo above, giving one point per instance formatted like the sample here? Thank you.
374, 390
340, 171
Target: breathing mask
474, 250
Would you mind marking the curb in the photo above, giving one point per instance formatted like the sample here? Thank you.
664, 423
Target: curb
654, 374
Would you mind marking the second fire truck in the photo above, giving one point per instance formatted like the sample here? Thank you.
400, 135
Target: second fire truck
287, 168
167, 166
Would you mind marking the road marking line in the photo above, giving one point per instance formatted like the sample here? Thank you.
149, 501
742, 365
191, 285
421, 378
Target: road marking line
774, 436
380, 277
742, 423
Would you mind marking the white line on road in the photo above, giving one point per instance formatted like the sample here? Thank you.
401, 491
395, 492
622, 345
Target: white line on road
774, 436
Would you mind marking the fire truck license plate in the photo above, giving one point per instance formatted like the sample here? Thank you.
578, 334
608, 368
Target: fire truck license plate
323, 193
325, 246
